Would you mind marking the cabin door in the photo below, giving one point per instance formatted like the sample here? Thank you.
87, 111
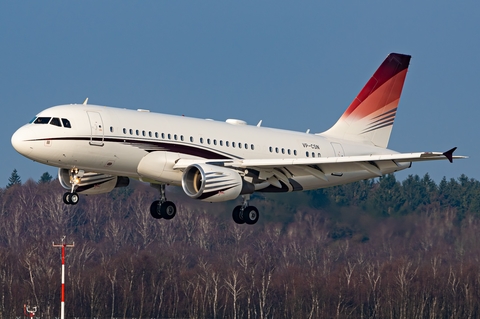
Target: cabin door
338, 150
96, 127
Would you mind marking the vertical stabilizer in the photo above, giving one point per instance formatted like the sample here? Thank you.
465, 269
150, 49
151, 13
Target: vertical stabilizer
370, 116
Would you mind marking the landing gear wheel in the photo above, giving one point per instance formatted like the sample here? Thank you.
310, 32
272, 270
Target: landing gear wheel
237, 215
250, 215
168, 210
71, 198
155, 210
74, 198
162, 208
66, 198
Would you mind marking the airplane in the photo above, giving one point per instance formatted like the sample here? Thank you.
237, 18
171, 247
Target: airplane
99, 148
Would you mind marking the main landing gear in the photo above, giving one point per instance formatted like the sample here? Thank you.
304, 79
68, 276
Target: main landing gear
72, 198
245, 214
162, 208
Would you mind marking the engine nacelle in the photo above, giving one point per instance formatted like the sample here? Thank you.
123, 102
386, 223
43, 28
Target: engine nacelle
158, 166
213, 183
92, 183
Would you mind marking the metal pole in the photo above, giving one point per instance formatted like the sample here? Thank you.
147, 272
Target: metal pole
63, 245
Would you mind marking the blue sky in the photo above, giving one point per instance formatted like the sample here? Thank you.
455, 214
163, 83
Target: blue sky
294, 65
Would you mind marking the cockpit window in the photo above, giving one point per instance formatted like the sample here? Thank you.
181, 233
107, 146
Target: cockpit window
32, 120
42, 120
56, 121
66, 123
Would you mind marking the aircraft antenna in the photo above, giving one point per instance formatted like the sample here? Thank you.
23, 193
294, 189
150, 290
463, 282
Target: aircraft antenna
85, 102
62, 298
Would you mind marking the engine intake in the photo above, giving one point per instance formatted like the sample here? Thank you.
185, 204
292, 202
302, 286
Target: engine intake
213, 183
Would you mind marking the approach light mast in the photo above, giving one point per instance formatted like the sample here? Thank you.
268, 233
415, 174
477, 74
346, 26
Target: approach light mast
63, 245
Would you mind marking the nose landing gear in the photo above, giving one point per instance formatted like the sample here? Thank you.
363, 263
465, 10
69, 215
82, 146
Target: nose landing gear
72, 198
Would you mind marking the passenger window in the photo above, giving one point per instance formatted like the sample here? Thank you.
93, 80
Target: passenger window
307, 153
208, 141
271, 150
131, 132
239, 145
124, 130
66, 123
221, 143
283, 151
143, 133
191, 139
246, 146
233, 144
181, 138
42, 120
201, 140
149, 134
169, 136
226, 143
55, 121
295, 152
111, 129
251, 147
156, 134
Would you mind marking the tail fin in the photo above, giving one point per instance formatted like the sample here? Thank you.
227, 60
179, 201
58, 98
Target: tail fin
370, 116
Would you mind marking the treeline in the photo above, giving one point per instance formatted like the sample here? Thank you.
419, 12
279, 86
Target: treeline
373, 249
389, 197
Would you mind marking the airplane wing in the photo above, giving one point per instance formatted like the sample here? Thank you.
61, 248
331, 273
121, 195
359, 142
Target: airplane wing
318, 167
397, 157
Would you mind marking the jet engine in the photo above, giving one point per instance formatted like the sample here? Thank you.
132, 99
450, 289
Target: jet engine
213, 183
91, 182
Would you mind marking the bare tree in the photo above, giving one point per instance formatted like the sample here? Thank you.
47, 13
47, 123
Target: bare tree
406, 272
235, 288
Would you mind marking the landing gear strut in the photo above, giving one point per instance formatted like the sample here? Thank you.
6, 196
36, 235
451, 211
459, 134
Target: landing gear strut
162, 208
244, 213
72, 198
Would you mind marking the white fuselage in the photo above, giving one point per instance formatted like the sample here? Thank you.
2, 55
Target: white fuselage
114, 141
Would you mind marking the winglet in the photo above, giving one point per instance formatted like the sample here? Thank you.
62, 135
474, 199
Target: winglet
449, 154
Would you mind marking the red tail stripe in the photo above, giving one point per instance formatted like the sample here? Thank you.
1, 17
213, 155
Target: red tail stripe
393, 64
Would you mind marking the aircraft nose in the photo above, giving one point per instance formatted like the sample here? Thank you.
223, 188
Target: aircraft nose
20, 143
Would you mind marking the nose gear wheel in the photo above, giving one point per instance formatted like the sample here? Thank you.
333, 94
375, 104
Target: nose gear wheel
72, 198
